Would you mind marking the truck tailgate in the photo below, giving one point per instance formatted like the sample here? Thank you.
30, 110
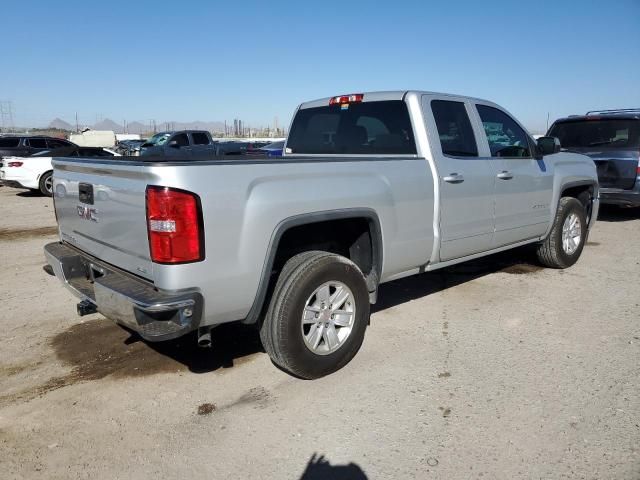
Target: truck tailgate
101, 209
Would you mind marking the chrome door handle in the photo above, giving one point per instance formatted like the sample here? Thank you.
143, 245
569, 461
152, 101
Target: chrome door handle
504, 175
454, 178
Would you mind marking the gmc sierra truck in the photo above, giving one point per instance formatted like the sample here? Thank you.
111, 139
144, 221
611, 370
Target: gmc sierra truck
371, 188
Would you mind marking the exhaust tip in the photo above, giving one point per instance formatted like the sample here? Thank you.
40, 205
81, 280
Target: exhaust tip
204, 338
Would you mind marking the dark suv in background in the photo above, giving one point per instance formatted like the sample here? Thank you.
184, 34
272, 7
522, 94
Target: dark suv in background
24, 146
612, 139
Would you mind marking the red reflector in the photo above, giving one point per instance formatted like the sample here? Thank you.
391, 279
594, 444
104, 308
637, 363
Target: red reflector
174, 222
15, 164
342, 99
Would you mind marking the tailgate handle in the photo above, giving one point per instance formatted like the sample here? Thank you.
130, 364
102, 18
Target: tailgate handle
85, 193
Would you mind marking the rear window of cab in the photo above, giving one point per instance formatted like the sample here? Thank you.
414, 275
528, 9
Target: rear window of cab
373, 128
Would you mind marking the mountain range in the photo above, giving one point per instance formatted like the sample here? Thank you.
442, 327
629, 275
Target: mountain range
139, 127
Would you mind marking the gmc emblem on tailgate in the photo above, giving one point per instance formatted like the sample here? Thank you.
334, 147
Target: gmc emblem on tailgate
87, 213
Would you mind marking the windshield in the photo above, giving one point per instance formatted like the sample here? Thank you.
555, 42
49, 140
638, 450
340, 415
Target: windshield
274, 145
609, 132
158, 139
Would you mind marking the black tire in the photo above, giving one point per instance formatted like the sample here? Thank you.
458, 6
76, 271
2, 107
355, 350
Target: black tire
282, 333
46, 187
551, 252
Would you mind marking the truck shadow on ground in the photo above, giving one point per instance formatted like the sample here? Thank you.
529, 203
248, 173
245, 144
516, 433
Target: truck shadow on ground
519, 261
613, 213
235, 343
97, 348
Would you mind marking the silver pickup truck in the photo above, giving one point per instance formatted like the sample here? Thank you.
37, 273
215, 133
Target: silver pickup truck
371, 188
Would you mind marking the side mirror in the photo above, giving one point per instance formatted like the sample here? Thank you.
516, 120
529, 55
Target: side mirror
548, 145
173, 144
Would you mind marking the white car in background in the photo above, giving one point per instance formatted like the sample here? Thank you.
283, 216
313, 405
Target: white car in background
35, 172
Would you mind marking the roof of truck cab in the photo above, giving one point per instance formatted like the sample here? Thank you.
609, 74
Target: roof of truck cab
379, 96
605, 116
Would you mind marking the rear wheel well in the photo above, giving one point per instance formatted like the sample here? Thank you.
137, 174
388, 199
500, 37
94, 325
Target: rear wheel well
355, 238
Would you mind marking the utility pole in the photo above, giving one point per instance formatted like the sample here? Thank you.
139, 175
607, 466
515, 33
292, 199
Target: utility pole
547, 122
77, 126
6, 115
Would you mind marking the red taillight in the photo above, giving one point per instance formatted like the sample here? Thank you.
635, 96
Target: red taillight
344, 99
15, 164
174, 221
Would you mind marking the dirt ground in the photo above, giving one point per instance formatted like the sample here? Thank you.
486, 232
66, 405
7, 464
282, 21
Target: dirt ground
495, 369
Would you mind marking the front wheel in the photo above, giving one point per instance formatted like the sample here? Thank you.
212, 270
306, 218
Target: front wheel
565, 242
46, 184
317, 315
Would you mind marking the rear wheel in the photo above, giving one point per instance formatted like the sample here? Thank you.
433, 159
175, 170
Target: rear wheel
317, 315
46, 184
565, 242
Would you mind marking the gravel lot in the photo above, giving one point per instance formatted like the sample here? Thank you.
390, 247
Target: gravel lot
493, 369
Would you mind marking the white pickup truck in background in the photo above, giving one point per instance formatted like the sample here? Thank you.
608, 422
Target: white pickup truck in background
372, 187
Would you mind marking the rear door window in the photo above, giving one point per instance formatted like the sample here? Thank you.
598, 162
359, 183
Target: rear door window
454, 129
9, 142
37, 142
200, 138
600, 133
506, 138
373, 128
181, 139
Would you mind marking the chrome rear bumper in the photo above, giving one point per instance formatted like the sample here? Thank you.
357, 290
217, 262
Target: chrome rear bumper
122, 297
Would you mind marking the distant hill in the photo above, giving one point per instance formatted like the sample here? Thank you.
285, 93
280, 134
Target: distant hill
140, 127
211, 126
108, 124
60, 124
137, 127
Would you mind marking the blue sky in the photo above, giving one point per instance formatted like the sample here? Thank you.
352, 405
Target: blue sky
213, 60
